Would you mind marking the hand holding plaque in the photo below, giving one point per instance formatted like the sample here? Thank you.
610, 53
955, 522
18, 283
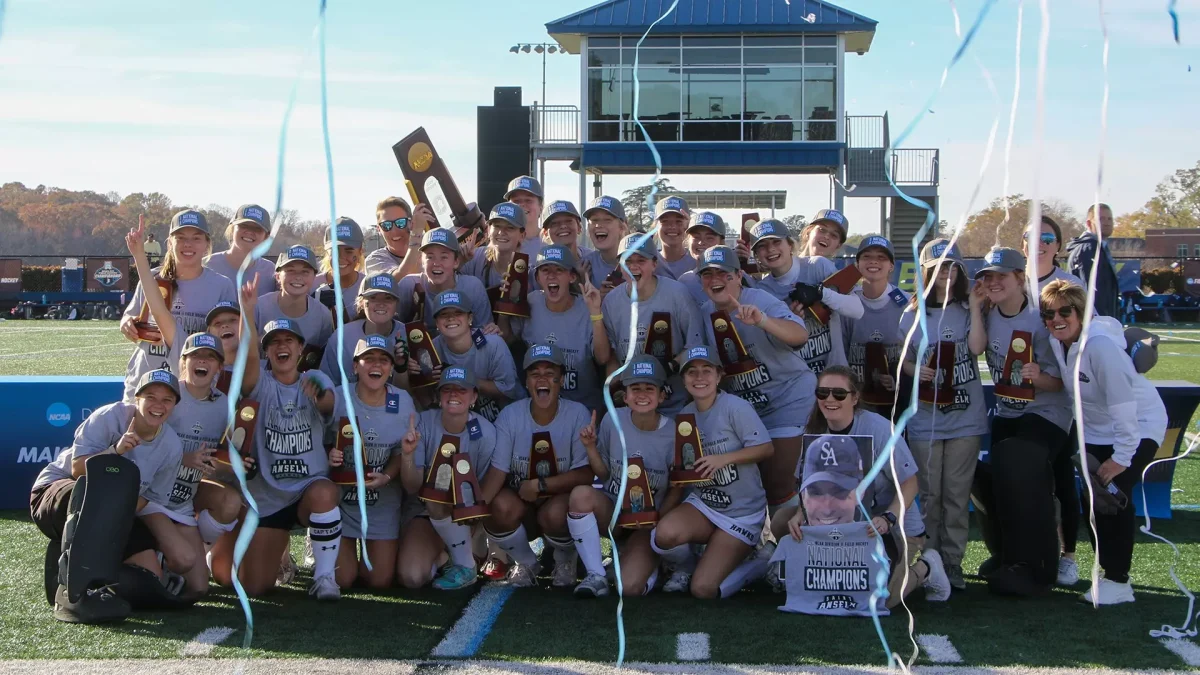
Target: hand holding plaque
1011, 384
468, 505
439, 480
658, 337
841, 281
687, 452
147, 330
513, 299
542, 461
940, 390
876, 365
345, 474
734, 358
637, 509
244, 423
431, 184
749, 220
422, 355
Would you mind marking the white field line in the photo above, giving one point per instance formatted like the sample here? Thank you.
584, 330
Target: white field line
939, 648
1185, 649
469, 632
692, 647
68, 349
203, 644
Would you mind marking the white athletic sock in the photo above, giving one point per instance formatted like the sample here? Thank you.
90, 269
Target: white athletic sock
457, 541
325, 530
564, 549
479, 543
651, 582
680, 557
587, 541
210, 529
772, 509
516, 545
748, 571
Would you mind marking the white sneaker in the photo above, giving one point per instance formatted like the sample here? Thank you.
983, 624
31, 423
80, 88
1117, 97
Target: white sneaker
565, 572
592, 586
287, 570
680, 582
937, 584
310, 560
764, 552
1068, 572
521, 576
773, 576
325, 588
1110, 593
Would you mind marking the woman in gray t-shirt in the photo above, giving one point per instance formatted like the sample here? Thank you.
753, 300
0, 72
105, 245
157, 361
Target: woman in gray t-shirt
251, 225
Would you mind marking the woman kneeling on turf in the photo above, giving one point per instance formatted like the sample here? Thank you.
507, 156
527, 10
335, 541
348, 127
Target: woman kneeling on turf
382, 412
727, 512
649, 436
431, 533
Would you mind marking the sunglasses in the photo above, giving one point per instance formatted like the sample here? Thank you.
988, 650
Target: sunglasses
1064, 312
838, 394
399, 224
1046, 238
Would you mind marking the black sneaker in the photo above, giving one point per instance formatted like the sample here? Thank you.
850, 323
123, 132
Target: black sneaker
98, 605
1017, 580
989, 567
53, 551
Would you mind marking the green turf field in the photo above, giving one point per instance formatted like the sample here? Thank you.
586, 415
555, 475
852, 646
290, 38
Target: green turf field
543, 625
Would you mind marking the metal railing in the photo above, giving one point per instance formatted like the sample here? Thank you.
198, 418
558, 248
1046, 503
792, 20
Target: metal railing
554, 124
915, 166
866, 131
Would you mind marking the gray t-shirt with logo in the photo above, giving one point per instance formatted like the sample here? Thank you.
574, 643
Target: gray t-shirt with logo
687, 328
686, 263
826, 344
349, 295
966, 415
570, 331
656, 448
515, 429
471, 288
262, 268
157, 460
147, 357
197, 422
1054, 406
381, 429
191, 302
730, 425
879, 324
289, 442
601, 269
381, 261
316, 324
488, 358
781, 387
832, 571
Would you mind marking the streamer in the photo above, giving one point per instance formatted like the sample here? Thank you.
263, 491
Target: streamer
1167, 630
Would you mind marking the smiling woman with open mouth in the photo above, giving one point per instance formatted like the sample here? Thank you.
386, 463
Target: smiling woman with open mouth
251, 225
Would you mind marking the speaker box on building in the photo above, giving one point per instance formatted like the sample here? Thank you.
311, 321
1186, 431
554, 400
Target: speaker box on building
503, 148
507, 97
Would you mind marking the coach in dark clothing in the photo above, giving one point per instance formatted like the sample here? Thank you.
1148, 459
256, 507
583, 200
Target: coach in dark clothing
1083, 251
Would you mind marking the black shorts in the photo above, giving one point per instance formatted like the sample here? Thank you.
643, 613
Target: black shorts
284, 519
48, 506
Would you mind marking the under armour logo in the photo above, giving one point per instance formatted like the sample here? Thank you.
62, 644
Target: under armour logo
828, 458
457, 545
328, 548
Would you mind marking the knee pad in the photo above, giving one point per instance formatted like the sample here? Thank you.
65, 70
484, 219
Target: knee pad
210, 529
99, 519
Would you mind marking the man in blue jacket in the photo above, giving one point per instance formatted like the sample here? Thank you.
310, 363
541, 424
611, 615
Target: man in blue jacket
1083, 251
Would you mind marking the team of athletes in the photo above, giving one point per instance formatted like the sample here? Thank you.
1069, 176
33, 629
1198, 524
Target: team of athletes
756, 360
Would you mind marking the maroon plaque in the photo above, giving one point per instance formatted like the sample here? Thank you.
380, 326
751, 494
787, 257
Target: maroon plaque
637, 509
687, 452
1020, 352
439, 480
734, 357
432, 185
658, 336
243, 431
344, 474
542, 462
513, 297
843, 282
749, 220
147, 330
875, 364
941, 390
420, 348
468, 504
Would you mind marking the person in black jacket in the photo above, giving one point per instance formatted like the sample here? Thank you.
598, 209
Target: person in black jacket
1084, 250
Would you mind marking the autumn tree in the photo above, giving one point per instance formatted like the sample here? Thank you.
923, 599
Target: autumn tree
1175, 204
637, 213
991, 226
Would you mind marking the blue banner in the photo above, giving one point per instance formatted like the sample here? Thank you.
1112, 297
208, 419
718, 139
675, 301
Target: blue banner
1129, 272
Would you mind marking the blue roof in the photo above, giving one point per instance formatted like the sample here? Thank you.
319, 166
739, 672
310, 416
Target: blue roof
624, 17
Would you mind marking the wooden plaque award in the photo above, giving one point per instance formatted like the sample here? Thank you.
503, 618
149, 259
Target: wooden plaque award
687, 451
1020, 352
615, 277
513, 300
344, 474
749, 220
875, 364
147, 330
243, 431
637, 509
224, 379
420, 348
843, 282
658, 336
432, 184
310, 358
734, 357
439, 480
542, 462
468, 505
941, 390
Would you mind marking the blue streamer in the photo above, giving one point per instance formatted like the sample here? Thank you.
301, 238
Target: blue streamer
633, 320
1170, 11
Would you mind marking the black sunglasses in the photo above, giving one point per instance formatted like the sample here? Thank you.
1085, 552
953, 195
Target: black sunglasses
838, 394
1064, 312
399, 223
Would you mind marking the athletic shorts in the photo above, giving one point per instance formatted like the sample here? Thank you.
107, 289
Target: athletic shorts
747, 529
785, 432
187, 519
284, 519
48, 506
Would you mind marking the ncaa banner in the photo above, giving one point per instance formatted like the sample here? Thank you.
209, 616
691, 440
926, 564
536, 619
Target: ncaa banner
831, 572
10, 275
107, 274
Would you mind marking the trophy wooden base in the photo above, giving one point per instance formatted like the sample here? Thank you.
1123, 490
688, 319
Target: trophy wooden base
935, 396
147, 332
419, 381
1014, 392
343, 476
880, 397
517, 309
465, 513
430, 494
221, 456
687, 477
638, 521
741, 367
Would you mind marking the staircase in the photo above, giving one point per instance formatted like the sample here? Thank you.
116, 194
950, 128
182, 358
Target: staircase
905, 221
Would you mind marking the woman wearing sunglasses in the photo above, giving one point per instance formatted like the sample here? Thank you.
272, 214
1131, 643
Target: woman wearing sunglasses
1029, 430
945, 435
1124, 422
892, 511
1048, 244
396, 222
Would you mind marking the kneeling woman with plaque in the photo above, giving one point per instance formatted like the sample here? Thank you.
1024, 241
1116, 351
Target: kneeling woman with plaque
1029, 429
442, 451
375, 312
292, 485
296, 272
539, 459
726, 511
383, 412
486, 357
441, 259
756, 336
649, 439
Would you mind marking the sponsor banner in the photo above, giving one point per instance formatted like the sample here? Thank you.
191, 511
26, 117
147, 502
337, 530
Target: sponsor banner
107, 274
10, 275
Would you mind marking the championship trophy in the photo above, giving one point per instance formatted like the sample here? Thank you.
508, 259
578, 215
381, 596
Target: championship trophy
468, 505
243, 431
432, 185
1020, 352
418, 313
147, 331
514, 296
843, 282
439, 480
420, 347
614, 277
637, 509
224, 379
687, 451
344, 474
940, 391
310, 358
542, 463
734, 357
749, 220
875, 364
658, 337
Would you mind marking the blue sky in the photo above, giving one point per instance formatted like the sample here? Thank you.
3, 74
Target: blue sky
187, 98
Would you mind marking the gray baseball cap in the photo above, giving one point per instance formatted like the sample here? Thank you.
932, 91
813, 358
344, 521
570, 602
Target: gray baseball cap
833, 459
380, 283
456, 376
372, 343
348, 233
221, 308
876, 241
609, 205
189, 218
699, 353
557, 207
671, 205
253, 214
936, 248
539, 353
450, 300
525, 184
278, 326
160, 376
644, 368
707, 219
510, 213
555, 254
832, 216
1002, 260
302, 253
766, 230
719, 257
197, 341
647, 249
440, 236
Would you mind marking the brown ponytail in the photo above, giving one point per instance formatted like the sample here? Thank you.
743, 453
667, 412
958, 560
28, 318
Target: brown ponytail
170, 265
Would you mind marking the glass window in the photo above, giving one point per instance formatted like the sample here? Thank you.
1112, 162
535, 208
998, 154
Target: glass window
604, 42
604, 95
712, 41
658, 94
773, 40
782, 130
821, 131
820, 56
712, 93
820, 40
604, 131
604, 57
774, 93
713, 131
632, 40
1181, 250
774, 55
820, 93
710, 55
651, 57
1196, 250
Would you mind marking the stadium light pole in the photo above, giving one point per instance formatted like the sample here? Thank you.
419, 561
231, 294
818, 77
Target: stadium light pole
542, 48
